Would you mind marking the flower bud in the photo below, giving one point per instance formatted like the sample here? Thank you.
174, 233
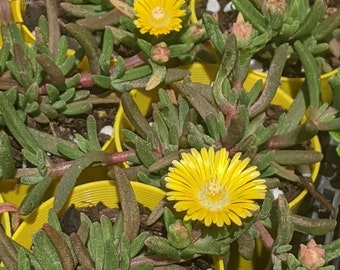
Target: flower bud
242, 30
179, 235
194, 33
312, 255
274, 7
160, 53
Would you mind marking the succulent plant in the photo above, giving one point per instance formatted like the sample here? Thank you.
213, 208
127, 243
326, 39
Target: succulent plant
303, 27
225, 116
221, 126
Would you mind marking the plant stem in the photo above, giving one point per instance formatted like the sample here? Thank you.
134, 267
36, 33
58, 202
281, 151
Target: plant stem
154, 260
274, 72
53, 26
86, 77
265, 236
58, 169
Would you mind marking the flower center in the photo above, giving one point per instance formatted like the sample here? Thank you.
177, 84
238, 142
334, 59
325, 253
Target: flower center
213, 196
158, 13
214, 188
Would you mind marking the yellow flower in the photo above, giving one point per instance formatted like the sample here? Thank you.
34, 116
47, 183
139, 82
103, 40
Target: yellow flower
158, 17
213, 188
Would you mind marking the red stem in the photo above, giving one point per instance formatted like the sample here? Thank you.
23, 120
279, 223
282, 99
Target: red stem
265, 236
154, 260
57, 170
86, 78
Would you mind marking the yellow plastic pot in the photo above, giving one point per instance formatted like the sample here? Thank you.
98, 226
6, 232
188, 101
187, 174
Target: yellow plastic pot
14, 192
192, 7
205, 73
87, 195
292, 85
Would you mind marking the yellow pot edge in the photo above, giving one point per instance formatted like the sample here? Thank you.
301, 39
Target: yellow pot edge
83, 195
193, 16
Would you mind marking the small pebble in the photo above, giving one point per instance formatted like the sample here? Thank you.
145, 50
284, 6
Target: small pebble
229, 7
256, 65
213, 6
108, 130
276, 192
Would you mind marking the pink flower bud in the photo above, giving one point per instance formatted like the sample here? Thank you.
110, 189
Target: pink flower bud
312, 255
242, 30
274, 6
194, 33
160, 53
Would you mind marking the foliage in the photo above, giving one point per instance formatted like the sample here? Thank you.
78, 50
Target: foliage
42, 80
296, 24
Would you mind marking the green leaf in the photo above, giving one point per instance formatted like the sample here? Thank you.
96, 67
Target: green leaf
161, 246
93, 143
70, 177
119, 68
53, 220
68, 95
16, 125
102, 81
137, 244
89, 44
145, 152
35, 196
32, 93
214, 33
61, 54
145, 46
31, 179
7, 166
24, 262
52, 92
54, 72
82, 143
96, 245
77, 108
4, 56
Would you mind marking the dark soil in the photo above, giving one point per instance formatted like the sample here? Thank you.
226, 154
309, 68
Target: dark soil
36, 8
70, 222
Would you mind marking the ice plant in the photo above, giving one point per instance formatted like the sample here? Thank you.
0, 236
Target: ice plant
214, 188
159, 17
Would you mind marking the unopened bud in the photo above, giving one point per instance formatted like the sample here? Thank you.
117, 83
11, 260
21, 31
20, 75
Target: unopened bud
242, 30
160, 53
195, 33
179, 235
312, 255
274, 7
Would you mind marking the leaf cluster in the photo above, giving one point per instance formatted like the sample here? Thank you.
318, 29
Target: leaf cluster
219, 116
291, 22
